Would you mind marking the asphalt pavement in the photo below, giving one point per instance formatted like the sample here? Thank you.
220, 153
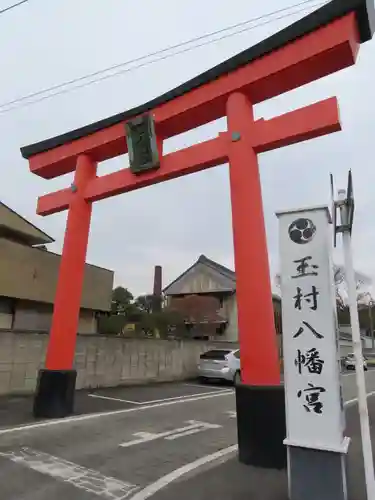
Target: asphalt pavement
165, 441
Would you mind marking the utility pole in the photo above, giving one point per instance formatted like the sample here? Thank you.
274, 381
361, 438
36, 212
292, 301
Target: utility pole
345, 204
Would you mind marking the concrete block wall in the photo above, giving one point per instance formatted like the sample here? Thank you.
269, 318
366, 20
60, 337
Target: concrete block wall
100, 361
21, 356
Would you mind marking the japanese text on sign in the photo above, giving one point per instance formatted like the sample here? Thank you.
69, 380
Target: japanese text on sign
310, 360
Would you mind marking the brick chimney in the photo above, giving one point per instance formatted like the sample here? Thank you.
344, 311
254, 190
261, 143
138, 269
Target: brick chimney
157, 293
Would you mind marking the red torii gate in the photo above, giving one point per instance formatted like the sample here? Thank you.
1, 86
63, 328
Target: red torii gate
317, 45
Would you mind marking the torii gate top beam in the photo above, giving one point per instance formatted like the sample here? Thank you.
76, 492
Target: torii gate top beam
342, 25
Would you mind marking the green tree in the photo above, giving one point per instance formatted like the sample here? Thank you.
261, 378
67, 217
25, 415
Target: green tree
123, 304
123, 311
160, 323
121, 299
145, 303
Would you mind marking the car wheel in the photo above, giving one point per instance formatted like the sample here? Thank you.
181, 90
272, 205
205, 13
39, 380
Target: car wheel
237, 378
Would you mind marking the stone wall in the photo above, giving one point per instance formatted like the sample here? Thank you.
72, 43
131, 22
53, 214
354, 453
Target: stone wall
100, 361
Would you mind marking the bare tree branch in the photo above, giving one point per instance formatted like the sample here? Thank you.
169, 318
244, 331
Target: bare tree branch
362, 280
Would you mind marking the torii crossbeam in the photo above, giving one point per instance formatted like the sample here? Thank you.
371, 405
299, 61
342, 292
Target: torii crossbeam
321, 43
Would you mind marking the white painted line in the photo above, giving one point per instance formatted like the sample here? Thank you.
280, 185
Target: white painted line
98, 396
233, 414
164, 481
145, 437
161, 483
186, 433
193, 427
86, 479
202, 386
174, 398
201, 426
355, 400
91, 416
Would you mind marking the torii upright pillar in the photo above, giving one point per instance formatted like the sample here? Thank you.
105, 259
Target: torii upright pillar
260, 370
56, 382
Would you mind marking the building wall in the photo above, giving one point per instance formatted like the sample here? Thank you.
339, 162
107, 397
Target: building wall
6, 321
6, 313
88, 323
34, 316
101, 361
367, 342
10, 220
230, 312
31, 274
346, 346
347, 329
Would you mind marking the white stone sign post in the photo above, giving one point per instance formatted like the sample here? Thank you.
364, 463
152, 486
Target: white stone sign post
315, 421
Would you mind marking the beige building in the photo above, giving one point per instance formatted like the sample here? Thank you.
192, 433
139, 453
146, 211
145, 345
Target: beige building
207, 277
28, 279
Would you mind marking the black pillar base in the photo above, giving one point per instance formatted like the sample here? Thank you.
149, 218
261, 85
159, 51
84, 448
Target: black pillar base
261, 426
54, 395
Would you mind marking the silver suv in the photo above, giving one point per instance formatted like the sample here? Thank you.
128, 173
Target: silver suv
220, 364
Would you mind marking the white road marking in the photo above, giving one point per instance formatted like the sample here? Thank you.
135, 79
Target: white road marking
91, 416
233, 414
202, 386
98, 396
187, 433
69, 472
162, 482
193, 427
174, 398
355, 400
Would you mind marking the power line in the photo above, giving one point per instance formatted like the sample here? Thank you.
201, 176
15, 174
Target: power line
172, 47
13, 6
19, 103
151, 54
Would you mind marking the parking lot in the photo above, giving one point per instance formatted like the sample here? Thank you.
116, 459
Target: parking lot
134, 442
123, 441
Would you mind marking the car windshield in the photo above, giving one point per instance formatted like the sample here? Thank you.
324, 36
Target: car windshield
217, 354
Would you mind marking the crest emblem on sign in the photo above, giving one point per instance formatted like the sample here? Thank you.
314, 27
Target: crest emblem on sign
302, 231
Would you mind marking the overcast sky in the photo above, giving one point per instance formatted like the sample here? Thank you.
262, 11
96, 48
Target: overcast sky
45, 43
